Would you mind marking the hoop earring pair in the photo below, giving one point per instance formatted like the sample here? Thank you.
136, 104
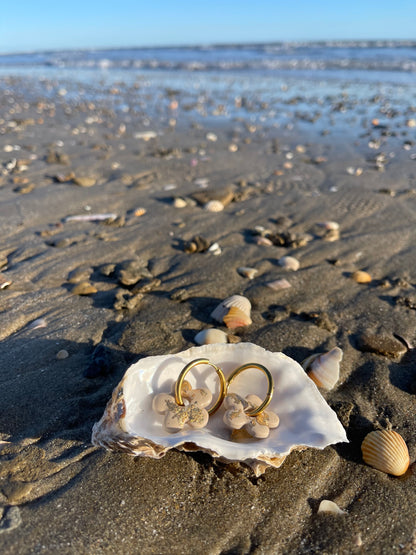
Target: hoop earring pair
248, 413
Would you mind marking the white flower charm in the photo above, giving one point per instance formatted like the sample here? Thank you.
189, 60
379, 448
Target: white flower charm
236, 416
193, 412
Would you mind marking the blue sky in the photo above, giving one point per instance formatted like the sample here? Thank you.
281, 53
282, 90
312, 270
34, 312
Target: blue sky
45, 24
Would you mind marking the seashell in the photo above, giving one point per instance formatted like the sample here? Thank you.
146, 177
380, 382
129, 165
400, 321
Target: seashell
264, 242
129, 424
361, 277
4, 281
323, 368
289, 263
236, 318
327, 506
235, 300
179, 202
215, 249
278, 284
247, 272
214, 206
329, 225
387, 451
209, 336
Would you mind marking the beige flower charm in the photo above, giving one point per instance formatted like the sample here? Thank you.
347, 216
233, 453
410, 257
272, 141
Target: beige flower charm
193, 413
236, 418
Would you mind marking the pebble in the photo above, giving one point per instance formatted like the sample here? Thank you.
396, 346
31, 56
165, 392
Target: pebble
361, 277
197, 244
10, 519
60, 355
130, 272
85, 181
381, 345
179, 202
214, 206
84, 288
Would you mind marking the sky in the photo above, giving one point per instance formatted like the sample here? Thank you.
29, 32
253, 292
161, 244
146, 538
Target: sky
27, 25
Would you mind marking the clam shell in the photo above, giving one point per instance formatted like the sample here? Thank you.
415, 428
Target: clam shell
323, 368
210, 336
289, 263
235, 300
278, 284
129, 424
236, 318
387, 451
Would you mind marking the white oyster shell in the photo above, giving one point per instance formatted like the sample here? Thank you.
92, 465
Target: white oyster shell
130, 425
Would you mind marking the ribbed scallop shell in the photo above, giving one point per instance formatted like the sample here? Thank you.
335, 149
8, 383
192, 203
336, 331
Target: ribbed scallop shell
323, 368
235, 300
236, 318
387, 451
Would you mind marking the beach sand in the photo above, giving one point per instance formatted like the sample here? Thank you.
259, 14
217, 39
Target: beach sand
60, 494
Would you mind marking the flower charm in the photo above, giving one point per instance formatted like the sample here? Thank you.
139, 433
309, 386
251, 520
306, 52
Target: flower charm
193, 413
236, 416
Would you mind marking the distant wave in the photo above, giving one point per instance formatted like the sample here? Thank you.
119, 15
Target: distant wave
380, 55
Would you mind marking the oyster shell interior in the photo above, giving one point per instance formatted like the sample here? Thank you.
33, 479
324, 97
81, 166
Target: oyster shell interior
129, 423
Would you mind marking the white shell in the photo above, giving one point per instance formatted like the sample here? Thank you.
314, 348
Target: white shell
327, 506
210, 336
214, 206
323, 368
130, 425
235, 300
279, 284
289, 263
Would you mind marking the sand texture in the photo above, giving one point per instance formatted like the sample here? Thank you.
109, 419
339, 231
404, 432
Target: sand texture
126, 284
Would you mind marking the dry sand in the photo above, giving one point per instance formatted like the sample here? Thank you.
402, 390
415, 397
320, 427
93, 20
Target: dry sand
58, 493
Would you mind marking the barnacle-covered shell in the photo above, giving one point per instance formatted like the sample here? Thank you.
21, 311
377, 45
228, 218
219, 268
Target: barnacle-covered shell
224, 307
323, 368
387, 451
209, 336
130, 425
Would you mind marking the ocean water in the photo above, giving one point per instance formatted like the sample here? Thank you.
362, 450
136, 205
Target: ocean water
275, 82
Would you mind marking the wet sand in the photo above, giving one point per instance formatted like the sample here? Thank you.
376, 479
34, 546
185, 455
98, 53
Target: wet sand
58, 493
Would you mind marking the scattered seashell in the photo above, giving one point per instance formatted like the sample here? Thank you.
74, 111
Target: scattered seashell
85, 181
145, 135
38, 323
4, 281
387, 451
278, 284
179, 202
211, 137
323, 368
214, 206
215, 249
329, 225
247, 272
84, 288
91, 217
209, 336
264, 242
235, 300
361, 277
233, 147
327, 506
127, 424
140, 211
289, 263
236, 318
60, 355
411, 122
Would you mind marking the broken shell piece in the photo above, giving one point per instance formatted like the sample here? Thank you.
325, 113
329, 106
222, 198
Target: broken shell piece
214, 206
247, 272
387, 451
4, 281
224, 307
209, 336
361, 277
278, 284
327, 506
289, 263
323, 368
129, 424
215, 249
236, 318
